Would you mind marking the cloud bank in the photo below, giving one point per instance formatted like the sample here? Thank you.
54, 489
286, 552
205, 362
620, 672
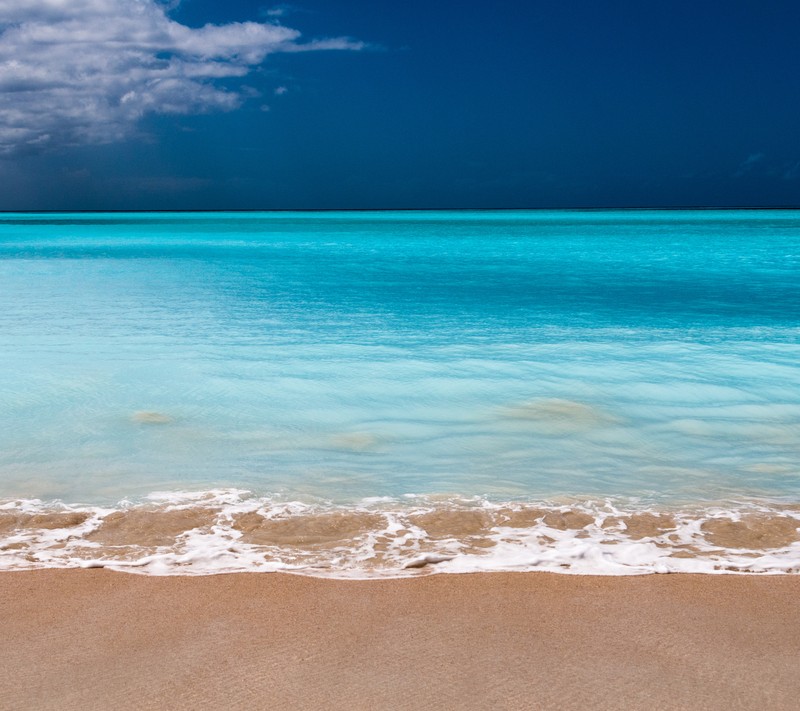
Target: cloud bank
84, 71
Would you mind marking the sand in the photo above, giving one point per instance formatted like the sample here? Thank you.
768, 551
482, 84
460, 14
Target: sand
94, 639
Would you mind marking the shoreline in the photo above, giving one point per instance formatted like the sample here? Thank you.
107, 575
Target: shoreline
96, 639
230, 531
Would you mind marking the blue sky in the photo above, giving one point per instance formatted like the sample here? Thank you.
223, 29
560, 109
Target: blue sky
141, 104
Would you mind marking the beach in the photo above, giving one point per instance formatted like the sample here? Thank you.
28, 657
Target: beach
456, 367
96, 639
448, 459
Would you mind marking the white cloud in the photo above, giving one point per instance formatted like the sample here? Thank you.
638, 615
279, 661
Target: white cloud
84, 71
281, 90
748, 164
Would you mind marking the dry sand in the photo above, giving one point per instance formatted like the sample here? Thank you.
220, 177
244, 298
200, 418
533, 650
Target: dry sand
93, 639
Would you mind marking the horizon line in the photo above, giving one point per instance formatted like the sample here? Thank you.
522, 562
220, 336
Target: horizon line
405, 209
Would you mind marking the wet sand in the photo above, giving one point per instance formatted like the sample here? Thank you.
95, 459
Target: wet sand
94, 639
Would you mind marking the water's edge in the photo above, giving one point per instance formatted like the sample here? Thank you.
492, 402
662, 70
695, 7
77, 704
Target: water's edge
222, 531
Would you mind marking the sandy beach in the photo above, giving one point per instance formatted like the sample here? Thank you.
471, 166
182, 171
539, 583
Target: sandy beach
94, 639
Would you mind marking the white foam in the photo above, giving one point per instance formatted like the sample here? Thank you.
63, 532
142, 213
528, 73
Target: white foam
400, 546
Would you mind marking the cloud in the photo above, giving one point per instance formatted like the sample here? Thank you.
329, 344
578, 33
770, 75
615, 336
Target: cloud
85, 71
281, 90
277, 11
748, 164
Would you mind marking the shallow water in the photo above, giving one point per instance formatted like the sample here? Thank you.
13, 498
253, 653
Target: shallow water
570, 361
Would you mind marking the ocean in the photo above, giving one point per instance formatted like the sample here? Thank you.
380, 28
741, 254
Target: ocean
378, 394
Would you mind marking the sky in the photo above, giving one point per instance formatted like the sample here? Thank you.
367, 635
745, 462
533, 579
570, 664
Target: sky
242, 104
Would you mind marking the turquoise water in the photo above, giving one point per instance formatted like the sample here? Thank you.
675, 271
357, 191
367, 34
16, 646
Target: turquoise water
511, 355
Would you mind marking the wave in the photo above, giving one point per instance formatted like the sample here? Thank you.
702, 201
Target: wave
231, 530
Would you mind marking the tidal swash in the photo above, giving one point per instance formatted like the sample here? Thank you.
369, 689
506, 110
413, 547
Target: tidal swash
365, 394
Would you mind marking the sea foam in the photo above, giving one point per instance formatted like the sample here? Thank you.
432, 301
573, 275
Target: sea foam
224, 531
